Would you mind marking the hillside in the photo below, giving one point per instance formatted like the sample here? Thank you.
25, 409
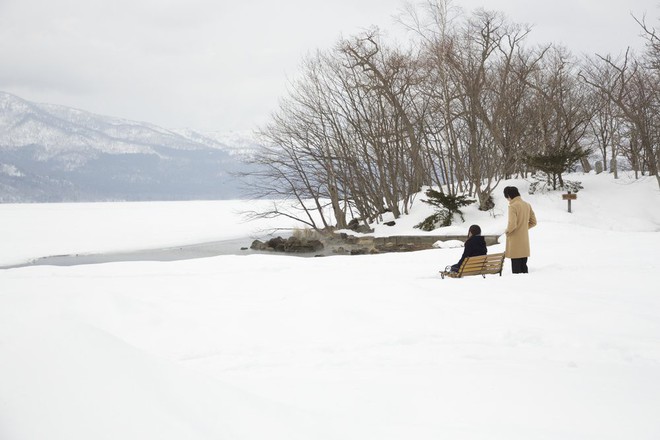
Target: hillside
52, 153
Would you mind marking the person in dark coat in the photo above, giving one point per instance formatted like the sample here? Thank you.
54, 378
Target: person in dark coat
475, 245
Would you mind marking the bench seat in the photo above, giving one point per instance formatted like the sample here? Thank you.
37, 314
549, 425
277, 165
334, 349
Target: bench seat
481, 265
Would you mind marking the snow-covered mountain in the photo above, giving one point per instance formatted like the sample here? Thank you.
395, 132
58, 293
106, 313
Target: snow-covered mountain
55, 153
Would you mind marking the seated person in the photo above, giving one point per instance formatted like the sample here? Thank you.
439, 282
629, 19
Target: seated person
474, 245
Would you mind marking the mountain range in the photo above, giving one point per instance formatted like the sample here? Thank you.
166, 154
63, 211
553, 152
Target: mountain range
53, 153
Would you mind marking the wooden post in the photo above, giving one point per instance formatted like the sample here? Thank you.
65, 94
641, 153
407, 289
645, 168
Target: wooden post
569, 197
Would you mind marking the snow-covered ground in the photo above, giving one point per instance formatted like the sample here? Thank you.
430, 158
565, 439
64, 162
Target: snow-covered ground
344, 347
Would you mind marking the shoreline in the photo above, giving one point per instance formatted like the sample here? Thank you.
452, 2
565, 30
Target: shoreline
335, 246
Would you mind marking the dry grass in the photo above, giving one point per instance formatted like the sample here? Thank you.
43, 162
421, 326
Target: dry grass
307, 234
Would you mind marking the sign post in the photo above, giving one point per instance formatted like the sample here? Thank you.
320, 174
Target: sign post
569, 197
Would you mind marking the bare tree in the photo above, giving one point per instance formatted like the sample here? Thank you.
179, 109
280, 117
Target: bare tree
561, 118
487, 68
367, 124
632, 90
606, 124
652, 57
390, 77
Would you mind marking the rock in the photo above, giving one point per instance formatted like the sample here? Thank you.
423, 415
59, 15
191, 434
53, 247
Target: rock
599, 167
291, 244
354, 225
391, 223
259, 245
317, 245
340, 251
448, 244
277, 244
297, 245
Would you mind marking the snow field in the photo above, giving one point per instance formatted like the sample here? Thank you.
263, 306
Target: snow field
278, 347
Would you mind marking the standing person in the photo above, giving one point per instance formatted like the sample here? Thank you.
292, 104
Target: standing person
521, 219
474, 245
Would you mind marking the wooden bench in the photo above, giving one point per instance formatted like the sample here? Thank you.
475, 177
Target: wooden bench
481, 265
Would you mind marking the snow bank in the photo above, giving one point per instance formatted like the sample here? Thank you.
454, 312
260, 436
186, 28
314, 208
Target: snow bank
345, 347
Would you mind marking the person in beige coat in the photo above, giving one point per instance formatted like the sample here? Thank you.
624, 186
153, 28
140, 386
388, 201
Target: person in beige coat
521, 220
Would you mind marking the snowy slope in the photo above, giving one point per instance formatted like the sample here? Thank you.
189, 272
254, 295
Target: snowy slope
361, 347
56, 153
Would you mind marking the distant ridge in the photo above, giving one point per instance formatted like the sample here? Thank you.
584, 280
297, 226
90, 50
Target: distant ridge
53, 153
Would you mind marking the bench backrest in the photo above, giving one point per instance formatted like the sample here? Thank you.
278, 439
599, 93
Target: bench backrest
482, 265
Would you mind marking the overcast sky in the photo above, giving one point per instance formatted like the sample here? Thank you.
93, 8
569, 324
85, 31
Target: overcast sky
218, 65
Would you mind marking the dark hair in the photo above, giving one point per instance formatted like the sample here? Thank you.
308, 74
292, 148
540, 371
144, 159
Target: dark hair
474, 230
511, 192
